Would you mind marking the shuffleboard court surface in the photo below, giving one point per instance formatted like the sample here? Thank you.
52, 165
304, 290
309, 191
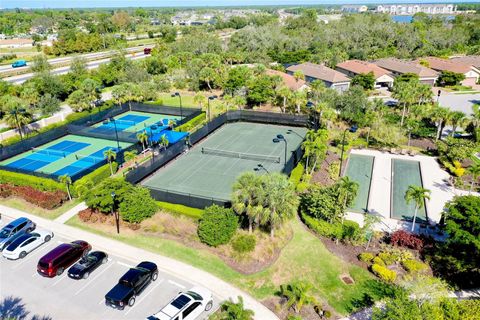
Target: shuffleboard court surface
359, 169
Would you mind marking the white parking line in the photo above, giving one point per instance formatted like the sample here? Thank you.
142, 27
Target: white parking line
144, 296
32, 254
93, 279
176, 284
60, 279
125, 265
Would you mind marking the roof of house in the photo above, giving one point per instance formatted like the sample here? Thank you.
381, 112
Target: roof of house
318, 71
402, 66
287, 79
359, 67
471, 60
447, 65
15, 41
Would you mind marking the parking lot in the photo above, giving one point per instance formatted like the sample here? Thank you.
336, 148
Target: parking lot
64, 298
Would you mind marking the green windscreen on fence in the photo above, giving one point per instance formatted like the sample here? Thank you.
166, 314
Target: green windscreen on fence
359, 169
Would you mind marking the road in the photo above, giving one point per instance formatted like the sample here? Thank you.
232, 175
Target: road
64, 298
62, 70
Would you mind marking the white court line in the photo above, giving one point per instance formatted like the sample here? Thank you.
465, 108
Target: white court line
61, 278
91, 280
32, 254
125, 265
144, 296
176, 284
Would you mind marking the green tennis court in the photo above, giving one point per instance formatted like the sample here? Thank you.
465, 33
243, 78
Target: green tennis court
359, 169
211, 167
404, 174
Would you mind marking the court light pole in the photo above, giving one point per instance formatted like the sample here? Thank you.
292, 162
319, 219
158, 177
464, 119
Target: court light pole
282, 138
290, 131
177, 94
115, 212
261, 167
352, 129
311, 107
112, 119
211, 98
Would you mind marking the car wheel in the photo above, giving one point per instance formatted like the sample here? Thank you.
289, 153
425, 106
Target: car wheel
85, 275
154, 276
47, 238
29, 230
22, 254
59, 271
131, 301
209, 305
104, 260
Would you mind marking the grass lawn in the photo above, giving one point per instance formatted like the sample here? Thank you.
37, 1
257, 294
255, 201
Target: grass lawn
304, 257
187, 100
23, 205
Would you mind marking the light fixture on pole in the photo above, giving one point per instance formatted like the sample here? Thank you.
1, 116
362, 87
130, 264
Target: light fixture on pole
282, 138
177, 94
352, 129
115, 212
112, 119
211, 98
261, 167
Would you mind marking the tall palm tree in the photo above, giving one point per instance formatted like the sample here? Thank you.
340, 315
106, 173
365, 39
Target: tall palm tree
457, 119
111, 155
440, 116
298, 99
280, 202
308, 145
65, 179
297, 294
247, 197
164, 141
418, 195
347, 191
130, 155
475, 121
15, 114
298, 75
474, 170
283, 93
143, 139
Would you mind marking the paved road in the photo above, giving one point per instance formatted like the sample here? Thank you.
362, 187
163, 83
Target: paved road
64, 298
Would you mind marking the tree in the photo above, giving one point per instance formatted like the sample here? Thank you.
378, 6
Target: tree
48, 104
78, 67
418, 195
347, 192
456, 119
365, 80
280, 203
283, 94
130, 155
449, 78
100, 197
137, 205
474, 170
297, 294
298, 75
260, 89
164, 141
440, 115
15, 114
40, 64
237, 78
110, 155
298, 99
234, 311
217, 225
65, 179
247, 197
143, 139
79, 101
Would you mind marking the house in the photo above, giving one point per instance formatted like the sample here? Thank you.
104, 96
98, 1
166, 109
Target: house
332, 78
411, 9
470, 60
398, 67
288, 80
471, 73
16, 43
354, 8
351, 68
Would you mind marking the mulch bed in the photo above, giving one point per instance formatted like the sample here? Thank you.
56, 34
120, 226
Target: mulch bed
321, 175
424, 143
277, 306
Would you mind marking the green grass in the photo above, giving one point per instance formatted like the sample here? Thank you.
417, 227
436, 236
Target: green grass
23, 205
304, 257
181, 209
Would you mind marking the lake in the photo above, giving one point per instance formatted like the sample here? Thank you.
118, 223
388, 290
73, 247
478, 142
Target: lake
409, 18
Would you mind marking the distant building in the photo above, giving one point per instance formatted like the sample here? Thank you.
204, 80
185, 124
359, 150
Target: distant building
288, 80
354, 8
332, 78
398, 67
471, 73
472, 60
351, 68
411, 9
16, 43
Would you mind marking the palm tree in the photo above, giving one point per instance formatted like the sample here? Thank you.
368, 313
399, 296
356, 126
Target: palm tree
118, 94
418, 195
308, 145
164, 141
143, 139
111, 155
298, 75
475, 172
298, 99
65, 179
15, 114
297, 294
130, 155
457, 119
247, 197
283, 93
236, 311
280, 202
440, 116
475, 121
347, 191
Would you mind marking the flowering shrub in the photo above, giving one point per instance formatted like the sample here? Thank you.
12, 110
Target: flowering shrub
384, 273
44, 199
414, 266
403, 238
85, 215
366, 257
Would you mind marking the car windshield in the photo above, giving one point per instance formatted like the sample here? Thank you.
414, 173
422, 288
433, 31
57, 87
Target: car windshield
17, 242
43, 264
5, 233
85, 261
195, 295
181, 301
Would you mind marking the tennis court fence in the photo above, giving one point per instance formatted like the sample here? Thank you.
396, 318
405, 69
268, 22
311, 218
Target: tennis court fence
191, 200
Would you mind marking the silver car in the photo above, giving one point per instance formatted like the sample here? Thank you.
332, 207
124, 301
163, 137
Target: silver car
26, 243
15, 229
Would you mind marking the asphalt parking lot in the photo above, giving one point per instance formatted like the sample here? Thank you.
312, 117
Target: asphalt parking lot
65, 298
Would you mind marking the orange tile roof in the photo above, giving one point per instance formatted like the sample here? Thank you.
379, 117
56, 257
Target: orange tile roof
358, 67
318, 71
288, 80
402, 66
15, 41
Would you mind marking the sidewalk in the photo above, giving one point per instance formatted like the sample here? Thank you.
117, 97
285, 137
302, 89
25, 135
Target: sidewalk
70, 213
219, 288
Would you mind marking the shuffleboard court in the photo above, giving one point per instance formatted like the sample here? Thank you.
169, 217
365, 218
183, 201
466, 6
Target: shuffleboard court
211, 167
359, 169
404, 174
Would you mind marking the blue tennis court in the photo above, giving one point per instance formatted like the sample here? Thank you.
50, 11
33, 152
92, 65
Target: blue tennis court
84, 162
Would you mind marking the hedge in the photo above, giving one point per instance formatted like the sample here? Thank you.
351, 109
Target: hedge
93, 178
384, 273
414, 266
323, 228
181, 209
21, 179
296, 174
192, 123
366, 257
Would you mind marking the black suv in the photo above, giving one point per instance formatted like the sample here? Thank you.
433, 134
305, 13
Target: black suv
131, 284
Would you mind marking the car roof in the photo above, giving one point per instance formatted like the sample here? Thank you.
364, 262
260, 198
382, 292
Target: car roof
15, 223
131, 274
59, 250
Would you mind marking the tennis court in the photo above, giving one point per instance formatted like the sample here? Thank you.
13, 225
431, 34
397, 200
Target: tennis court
359, 169
211, 167
404, 174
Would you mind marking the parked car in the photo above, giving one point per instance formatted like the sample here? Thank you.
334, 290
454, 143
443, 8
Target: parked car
131, 284
26, 243
19, 63
147, 50
15, 229
63, 256
186, 305
87, 264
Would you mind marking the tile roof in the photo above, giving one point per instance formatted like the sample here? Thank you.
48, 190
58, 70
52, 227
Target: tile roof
402, 66
15, 41
471, 60
447, 65
288, 80
318, 71
358, 67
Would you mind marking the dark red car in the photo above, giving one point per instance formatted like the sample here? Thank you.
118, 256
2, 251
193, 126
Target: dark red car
57, 260
147, 50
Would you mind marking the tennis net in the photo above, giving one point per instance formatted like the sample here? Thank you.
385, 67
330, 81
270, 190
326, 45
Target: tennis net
91, 159
126, 122
240, 155
49, 152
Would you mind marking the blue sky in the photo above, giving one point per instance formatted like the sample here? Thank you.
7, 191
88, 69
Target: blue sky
184, 3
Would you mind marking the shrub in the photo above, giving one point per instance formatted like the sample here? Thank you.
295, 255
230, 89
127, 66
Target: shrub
366, 257
100, 198
217, 226
403, 238
44, 199
384, 273
351, 231
414, 266
181, 209
379, 261
323, 228
244, 243
137, 205
192, 124
387, 257
296, 174
92, 179
458, 170
20, 179
85, 215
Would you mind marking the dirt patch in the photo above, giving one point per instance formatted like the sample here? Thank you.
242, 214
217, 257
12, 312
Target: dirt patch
347, 279
322, 175
424, 144
278, 306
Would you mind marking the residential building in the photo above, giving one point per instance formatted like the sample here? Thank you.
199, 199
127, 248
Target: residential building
332, 78
411, 9
288, 80
398, 67
351, 68
470, 60
471, 73
354, 8
16, 43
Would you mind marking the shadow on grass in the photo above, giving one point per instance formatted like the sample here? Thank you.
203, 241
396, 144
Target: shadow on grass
373, 290
12, 308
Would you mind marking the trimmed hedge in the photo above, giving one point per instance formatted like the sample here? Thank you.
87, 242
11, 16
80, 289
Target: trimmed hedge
92, 179
323, 228
186, 127
384, 273
414, 266
181, 209
366, 257
296, 174
379, 261
21, 179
